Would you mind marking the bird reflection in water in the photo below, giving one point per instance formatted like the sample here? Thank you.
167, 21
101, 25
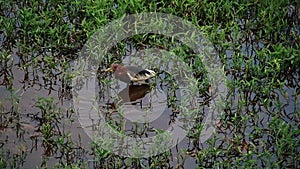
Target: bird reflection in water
132, 94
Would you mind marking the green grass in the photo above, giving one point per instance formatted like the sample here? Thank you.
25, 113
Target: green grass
257, 41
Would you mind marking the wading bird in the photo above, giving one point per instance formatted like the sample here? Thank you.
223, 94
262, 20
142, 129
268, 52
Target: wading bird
129, 74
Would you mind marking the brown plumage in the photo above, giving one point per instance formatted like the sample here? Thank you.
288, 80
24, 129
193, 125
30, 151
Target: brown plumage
129, 74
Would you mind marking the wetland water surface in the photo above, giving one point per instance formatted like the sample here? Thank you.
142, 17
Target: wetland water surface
39, 126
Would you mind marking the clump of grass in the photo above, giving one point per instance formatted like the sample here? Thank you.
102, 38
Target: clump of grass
256, 41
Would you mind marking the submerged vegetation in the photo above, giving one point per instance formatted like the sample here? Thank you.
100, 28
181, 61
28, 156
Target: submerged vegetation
257, 41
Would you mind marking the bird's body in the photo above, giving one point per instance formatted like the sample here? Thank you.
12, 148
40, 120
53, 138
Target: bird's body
129, 74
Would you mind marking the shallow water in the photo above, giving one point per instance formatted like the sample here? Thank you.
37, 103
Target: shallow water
259, 124
21, 136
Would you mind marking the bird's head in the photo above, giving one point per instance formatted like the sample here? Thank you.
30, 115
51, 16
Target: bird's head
112, 68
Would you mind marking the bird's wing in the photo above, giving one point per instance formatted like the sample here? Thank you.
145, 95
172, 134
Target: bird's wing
139, 74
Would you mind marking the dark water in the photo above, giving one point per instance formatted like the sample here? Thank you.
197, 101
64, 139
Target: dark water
263, 122
22, 141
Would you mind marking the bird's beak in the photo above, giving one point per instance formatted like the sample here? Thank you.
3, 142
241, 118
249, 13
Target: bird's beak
108, 69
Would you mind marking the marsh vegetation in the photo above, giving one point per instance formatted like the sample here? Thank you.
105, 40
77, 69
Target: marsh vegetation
258, 43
